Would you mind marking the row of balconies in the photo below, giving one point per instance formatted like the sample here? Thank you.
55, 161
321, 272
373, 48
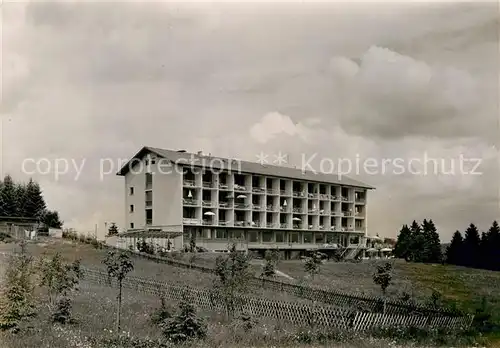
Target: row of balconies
284, 225
270, 191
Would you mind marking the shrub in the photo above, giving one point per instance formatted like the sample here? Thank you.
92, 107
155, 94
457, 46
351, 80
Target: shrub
62, 313
162, 313
185, 325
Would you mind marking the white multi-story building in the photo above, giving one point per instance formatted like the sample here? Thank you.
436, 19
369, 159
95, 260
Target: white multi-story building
178, 196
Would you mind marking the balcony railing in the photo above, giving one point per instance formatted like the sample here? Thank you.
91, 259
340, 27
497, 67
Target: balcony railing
207, 203
271, 191
310, 227
297, 210
297, 226
191, 221
312, 211
189, 201
224, 186
359, 200
241, 206
258, 190
223, 222
284, 193
323, 212
189, 183
321, 227
208, 222
312, 195
283, 225
336, 213
324, 196
240, 188
255, 224
284, 209
334, 198
270, 225
149, 204
299, 194
271, 208
345, 199
240, 223
208, 184
226, 205
256, 207
334, 228
347, 213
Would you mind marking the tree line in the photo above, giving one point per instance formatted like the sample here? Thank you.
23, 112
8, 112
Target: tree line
25, 200
475, 250
421, 243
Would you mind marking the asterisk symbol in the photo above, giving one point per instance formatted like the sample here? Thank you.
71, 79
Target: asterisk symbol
262, 158
280, 158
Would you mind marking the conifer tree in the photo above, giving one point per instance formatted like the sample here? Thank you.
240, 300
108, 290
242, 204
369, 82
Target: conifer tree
471, 249
491, 248
432, 244
8, 197
454, 250
20, 200
35, 203
417, 242
403, 243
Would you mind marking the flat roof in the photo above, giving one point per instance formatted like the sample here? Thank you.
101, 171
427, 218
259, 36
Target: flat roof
219, 163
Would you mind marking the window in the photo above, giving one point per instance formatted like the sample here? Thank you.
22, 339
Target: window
131, 225
131, 191
149, 216
267, 237
237, 234
131, 208
280, 236
253, 236
319, 238
220, 234
308, 237
294, 237
149, 181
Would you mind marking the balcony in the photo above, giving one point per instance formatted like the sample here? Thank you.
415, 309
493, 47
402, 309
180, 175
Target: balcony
189, 201
297, 226
359, 201
241, 206
297, 210
347, 213
208, 184
223, 222
258, 190
256, 207
271, 192
312, 195
283, 225
345, 199
207, 203
223, 186
255, 224
299, 194
191, 221
208, 222
334, 228
284, 209
149, 204
312, 211
270, 225
225, 205
310, 227
240, 188
336, 213
240, 223
323, 212
271, 208
189, 183
321, 227
284, 193
359, 215
324, 197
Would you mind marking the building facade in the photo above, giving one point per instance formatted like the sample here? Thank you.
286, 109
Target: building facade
175, 197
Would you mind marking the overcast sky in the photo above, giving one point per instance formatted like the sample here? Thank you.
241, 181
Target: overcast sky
381, 81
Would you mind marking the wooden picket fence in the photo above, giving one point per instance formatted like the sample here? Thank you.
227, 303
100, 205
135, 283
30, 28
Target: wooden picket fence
318, 316
360, 302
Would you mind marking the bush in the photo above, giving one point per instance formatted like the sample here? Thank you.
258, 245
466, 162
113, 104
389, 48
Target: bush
185, 325
62, 312
161, 314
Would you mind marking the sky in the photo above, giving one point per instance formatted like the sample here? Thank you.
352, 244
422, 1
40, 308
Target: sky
89, 84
